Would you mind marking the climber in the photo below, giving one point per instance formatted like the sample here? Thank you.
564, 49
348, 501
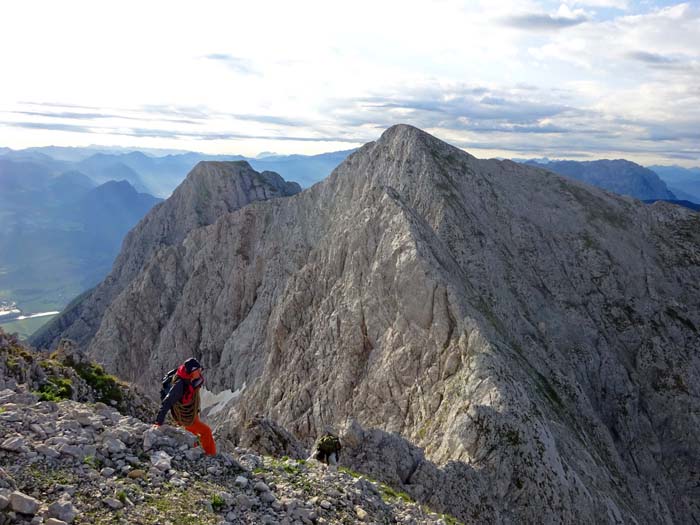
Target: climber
327, 449
182, 399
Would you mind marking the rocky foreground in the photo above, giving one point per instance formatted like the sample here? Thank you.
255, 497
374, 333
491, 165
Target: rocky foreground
66, 461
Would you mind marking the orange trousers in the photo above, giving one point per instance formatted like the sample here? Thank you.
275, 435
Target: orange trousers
203, 432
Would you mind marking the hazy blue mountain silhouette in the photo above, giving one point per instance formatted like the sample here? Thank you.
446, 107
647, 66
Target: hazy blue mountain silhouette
684, 182
60, 233
619, 176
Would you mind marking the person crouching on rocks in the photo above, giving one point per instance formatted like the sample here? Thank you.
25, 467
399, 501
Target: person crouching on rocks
182, 400
327, 449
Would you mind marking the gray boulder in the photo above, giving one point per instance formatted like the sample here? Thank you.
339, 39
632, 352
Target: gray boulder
63, 509
14, 443
267, 437
23, 504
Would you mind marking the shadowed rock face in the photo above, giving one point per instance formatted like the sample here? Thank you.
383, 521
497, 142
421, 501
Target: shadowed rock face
210, 190
534, 336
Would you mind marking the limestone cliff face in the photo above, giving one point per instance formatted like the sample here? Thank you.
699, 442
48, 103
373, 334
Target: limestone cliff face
533, 340
210, 190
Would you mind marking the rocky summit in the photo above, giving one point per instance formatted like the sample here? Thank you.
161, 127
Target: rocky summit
492, 339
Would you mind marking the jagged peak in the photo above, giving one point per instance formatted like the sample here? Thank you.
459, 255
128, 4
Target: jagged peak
220, 168
404, 158
208, 172
222, 164
411, 137
401, 130
403, 141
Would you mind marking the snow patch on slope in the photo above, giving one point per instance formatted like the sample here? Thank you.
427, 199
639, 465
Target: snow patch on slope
217, 402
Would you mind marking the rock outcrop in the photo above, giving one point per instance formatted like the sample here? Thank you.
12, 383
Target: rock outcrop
210, 190
267, 437
65, 374
531, 338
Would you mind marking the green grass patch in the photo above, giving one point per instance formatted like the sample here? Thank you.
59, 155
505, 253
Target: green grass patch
179, 505
17, 351
349, 472
45, 477
217, 502
389, 494
50, 365
12, 364
450, 520
93, 462
291, 469
56, 389
121, 496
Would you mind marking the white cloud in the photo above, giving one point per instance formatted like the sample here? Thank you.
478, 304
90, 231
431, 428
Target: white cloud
617, 4
222, 76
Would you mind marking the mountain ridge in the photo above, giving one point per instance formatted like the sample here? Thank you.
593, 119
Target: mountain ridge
683, 181
533, 335
629, 178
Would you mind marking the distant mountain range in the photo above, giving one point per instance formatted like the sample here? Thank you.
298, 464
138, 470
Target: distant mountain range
619, 176
60, 231
158, 172
306, 170
160, 175
683, 182
63, 215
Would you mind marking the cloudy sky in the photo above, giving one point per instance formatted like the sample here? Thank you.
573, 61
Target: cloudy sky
513, 78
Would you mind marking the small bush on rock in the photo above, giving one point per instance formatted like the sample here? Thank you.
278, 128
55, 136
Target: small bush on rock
56, 389
217, 502
105, 386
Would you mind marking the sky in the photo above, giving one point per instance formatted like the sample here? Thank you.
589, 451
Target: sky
514, 78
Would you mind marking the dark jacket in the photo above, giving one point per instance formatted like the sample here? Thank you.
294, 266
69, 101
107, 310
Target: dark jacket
175, 395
